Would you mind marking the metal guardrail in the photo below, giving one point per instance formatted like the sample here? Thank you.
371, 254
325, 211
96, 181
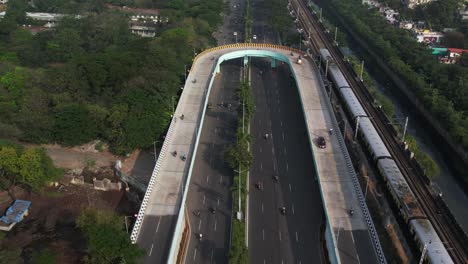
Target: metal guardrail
142, 211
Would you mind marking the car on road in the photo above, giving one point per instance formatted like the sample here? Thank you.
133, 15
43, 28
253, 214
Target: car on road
321, 142
283, 210
259, 185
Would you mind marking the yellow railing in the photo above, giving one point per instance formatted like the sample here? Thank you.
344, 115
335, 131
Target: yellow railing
247, 45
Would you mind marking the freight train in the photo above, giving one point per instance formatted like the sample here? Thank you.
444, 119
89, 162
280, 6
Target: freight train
422, 231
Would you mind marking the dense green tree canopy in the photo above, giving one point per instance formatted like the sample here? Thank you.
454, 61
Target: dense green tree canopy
91, 78
107, 241
31, 167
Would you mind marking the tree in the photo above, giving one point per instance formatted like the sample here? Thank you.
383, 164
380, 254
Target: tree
73, 125
37, 169
65, 44
15, 81
106, 239
9, 169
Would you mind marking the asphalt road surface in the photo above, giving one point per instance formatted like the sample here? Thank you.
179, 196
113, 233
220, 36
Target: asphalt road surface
274, 237
212, 178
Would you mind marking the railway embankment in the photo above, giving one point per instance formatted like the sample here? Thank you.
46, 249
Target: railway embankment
442, 138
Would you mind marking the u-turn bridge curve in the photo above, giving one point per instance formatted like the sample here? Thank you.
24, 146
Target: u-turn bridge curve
162, 228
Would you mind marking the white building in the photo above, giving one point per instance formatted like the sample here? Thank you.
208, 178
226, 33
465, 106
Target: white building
429, 37
3, 1
413, 3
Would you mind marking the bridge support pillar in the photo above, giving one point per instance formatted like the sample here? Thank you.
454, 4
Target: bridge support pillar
246, 60
273, 63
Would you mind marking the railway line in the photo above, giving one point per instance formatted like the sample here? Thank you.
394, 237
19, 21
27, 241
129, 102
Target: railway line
443, 224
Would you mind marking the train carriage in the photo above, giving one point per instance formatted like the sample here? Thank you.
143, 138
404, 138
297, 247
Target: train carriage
372, 139
401, 193
424, 234
352, 103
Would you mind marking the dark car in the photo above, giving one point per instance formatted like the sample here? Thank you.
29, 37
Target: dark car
321, 142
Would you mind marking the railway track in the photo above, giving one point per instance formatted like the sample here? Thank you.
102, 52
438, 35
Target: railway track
454, 241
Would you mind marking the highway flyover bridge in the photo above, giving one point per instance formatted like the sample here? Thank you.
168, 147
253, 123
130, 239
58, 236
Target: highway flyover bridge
162, 227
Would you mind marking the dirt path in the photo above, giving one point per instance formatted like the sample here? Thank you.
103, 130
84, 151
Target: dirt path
78, 157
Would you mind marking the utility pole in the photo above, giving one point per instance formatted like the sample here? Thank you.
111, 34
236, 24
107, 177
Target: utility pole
344, 130
300, 40
367, 186
362, 70
320, 18
404, 131
185, 72
326, 69
336, 34
357, 127
173, 107
155, 153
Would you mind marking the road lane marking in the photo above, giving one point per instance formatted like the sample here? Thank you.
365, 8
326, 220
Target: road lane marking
221, 180
151, 250
290, 187
274, 167
282, 262
211, 258
260, 149
218, 201
283, 135
195, 254
261, 166
285, 152
287, 167
157, 227
279, 110
281, 123
204, 199
293, 208
262, 207
207, 178
216, 222
199, 225
297, 237
279, 235
263, 234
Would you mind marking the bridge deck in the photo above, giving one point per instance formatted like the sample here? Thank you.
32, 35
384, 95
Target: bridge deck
156, 223
335, 172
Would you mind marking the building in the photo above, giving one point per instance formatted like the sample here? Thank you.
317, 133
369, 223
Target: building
14, 214
413, 3
3, 2
143, 22
463, 12
429, 37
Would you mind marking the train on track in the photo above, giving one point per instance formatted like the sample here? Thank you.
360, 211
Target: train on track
422, 231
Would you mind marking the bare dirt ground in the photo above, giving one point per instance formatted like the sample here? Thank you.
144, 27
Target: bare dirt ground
51, 220
80, 156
